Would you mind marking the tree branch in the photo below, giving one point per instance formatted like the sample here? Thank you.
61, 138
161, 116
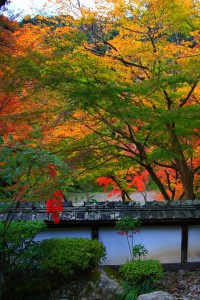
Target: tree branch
183, 101
169, 101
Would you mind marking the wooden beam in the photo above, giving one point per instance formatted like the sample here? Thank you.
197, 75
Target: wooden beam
184, 244
95, 232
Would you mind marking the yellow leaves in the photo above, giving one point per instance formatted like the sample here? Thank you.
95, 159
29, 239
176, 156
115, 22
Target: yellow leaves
72, 130
45, 34
127, 45
88, 17
65, 30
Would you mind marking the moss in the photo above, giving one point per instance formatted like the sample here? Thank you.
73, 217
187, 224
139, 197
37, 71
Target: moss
94, 276
113, 273
91, 279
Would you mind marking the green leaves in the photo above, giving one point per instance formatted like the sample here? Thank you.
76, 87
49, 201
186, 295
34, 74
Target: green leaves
17, 243
128, 223
25, 170
138, 271
71, 257
133, 73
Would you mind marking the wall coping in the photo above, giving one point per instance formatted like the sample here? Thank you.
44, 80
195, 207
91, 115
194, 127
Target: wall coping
110, 212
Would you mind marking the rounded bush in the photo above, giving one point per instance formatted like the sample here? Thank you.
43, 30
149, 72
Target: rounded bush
71, 256
135, 272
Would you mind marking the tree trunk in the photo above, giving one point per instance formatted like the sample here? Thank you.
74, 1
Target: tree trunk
186, 178
1, 274
1, 284
157, 181
181, 165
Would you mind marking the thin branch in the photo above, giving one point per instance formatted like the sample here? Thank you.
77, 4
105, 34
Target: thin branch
121, 188
164, 165
169, 101
196, 169
151, 39
92, 168
129, 63
3, 103
183, 101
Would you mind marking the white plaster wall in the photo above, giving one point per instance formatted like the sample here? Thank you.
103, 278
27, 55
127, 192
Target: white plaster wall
194, 243
162, 243
117, 251
63, 232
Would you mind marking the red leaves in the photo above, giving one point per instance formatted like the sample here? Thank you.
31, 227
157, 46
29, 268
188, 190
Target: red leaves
52, 170
54, 206
115, 191
140, 181
105, 181
126, 232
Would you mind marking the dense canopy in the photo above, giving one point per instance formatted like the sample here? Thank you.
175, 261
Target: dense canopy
112, 91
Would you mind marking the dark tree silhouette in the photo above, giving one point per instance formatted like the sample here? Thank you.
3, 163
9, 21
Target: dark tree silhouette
3, 2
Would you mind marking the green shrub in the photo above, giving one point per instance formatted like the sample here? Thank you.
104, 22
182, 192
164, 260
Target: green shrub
135, 272
131, 292
17, 247
70, 257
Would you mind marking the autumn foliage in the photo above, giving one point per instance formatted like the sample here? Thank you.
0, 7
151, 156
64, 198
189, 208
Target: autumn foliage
52, 169
113, 91
135, 182
54, 206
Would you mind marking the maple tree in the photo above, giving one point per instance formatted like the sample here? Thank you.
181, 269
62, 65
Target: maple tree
30, 115
152, 65
26, 174
129, 227
122, 186
29, 173
7, 47
16, 113
137, 76
21, 113
125, 77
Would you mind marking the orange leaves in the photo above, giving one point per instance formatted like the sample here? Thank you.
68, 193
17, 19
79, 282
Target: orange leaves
139, 181
172, 183
10, 109
71, 130
31, 37
7, 38
109, 182
12, 116
105, 181
124, 74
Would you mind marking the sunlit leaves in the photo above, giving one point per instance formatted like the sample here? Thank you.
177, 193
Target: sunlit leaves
115, 87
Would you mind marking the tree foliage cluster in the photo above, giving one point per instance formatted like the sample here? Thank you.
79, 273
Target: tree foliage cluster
113, 91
